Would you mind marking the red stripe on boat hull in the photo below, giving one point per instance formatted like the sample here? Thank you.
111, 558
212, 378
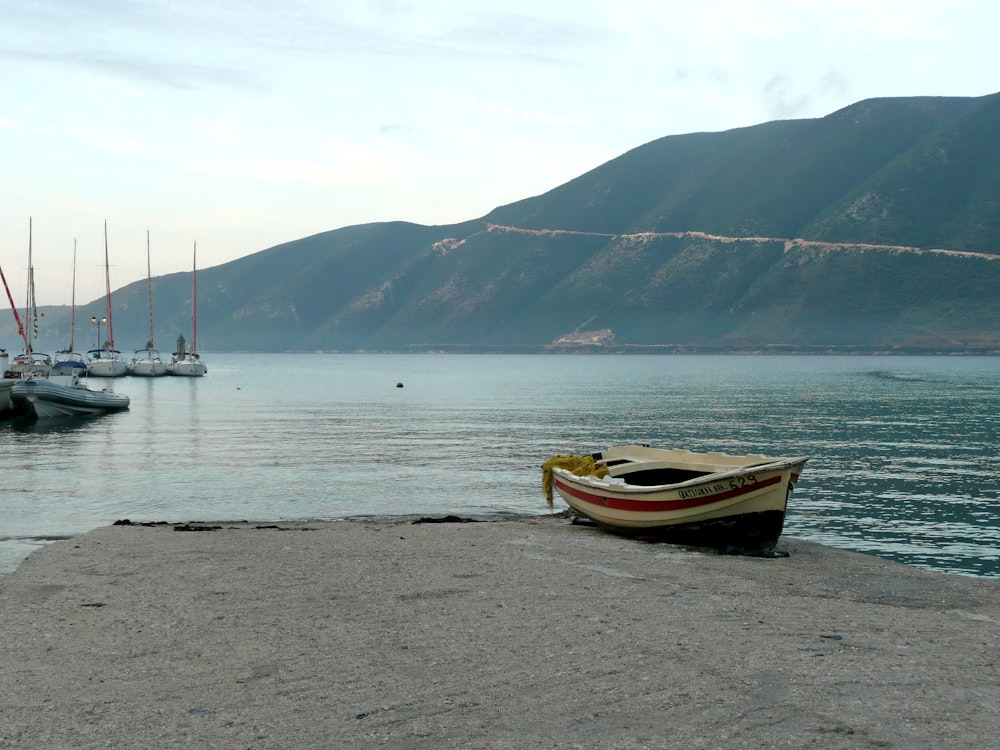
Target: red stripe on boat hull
655, 506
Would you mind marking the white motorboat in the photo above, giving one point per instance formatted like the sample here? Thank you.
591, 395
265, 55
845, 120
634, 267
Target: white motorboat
64, 396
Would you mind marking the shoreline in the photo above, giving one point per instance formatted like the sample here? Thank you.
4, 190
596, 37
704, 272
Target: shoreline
495, 632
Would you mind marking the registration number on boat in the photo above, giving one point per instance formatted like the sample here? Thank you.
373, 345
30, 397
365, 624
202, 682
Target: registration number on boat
735, 483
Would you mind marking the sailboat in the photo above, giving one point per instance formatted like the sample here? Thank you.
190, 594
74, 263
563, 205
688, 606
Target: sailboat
147, 362
29, 363
188, 363
105, 360
69, 361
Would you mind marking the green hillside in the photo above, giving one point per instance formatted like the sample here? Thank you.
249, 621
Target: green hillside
874, 228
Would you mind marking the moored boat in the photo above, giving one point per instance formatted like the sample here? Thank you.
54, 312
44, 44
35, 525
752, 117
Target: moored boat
29, 364
106, 361
67, 362
675, 495
184, 362
147, 363
64, 396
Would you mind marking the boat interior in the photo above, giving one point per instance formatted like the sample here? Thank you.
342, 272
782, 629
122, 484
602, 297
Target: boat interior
643, 474
683, 466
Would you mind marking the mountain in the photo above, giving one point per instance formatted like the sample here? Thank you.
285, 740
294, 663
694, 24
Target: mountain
873, 228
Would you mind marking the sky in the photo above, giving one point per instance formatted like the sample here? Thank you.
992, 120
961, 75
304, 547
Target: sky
242, 124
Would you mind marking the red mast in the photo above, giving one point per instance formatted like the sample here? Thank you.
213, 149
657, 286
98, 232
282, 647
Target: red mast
72, 316
194, 303
107, 284
149, 286
30, 311
13, 307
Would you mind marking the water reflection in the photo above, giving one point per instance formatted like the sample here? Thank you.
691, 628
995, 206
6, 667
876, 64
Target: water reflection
54, 426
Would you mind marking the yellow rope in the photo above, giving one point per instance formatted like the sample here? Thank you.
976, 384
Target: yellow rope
579, 465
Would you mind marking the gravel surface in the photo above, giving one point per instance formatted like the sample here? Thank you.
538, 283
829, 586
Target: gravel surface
489, 633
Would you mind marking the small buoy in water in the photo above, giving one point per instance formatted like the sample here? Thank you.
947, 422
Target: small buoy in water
399, 385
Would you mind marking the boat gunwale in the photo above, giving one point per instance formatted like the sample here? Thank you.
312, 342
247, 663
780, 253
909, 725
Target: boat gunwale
599, 483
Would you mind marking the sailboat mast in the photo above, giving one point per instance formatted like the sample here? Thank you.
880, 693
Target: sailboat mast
149, 285
107, 286
194, 302
13, 307
72, 315
30, 315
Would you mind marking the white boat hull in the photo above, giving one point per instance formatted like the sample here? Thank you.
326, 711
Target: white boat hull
148, 369
147, 364
29, 365
702, 499
190, 368
64, 396
106, 363
68, 363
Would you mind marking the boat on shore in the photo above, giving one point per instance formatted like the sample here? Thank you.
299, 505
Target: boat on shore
64, 396
674, 495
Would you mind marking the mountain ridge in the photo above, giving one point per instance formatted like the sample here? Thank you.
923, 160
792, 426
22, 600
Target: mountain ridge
874, 228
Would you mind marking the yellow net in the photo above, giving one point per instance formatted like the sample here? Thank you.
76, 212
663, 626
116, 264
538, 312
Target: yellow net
579, 465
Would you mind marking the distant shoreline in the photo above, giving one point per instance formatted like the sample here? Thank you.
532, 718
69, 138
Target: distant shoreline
654, 349
645, 349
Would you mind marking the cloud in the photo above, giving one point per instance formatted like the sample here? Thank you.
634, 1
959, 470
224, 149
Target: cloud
781, 99
523, 114
162, 72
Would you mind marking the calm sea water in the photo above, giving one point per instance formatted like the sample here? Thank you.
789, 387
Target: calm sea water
904, 451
